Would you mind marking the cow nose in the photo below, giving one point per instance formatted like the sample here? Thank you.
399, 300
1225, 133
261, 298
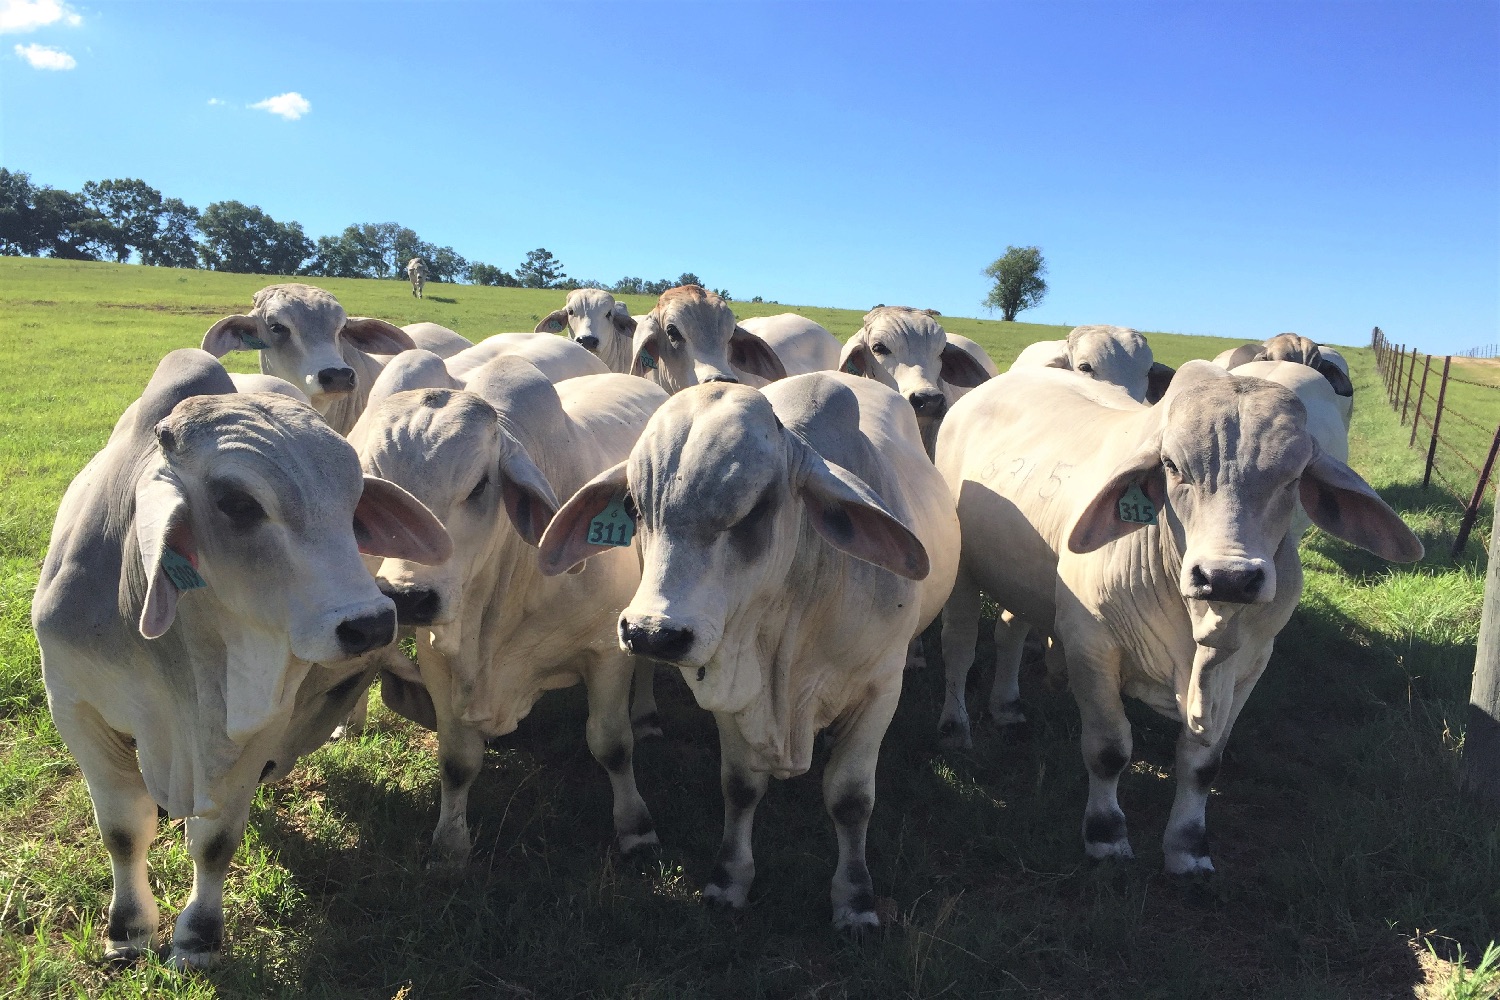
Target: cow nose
655, 637
588, 342
414, 605
723, 378
367, 632
1238, 585
928, 403
336, 380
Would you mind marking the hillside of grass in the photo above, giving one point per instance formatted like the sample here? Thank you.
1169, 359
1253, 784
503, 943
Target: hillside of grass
1348, 865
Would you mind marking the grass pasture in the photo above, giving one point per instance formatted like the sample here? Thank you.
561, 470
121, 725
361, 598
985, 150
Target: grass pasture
1347, 865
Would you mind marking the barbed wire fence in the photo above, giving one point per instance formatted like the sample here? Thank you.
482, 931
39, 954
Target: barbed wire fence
1428, 408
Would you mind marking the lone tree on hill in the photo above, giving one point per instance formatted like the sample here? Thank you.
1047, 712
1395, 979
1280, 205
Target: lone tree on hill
1018, 281
540, 270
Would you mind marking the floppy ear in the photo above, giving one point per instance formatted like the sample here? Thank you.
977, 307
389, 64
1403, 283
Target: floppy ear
1158, 379
1336, 377
390, 522
962, 369
1243, 355
164, 535
376, 336
749, 353
408, 700
1342, 504
529, 500
646, 347
555, 321
855, 357
1100, 523
565, 543
233, 333
624, 323
845, 511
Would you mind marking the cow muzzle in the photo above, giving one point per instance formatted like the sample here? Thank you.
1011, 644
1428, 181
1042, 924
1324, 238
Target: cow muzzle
588, 342
1230, 581
928, 403
366, 632
414, 605
655, 637
336, 380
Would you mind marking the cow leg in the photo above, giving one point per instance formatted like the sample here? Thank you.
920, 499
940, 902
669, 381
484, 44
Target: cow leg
611, 742
199, 932
358, 716
126, 816
1095, 679
849, 797
960, 632
1185, 843
1010, 647
734, 870
460, 756
644, 720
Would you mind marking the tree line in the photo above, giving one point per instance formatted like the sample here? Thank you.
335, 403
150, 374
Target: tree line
127, 219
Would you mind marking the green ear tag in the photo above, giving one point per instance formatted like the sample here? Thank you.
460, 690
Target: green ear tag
1136, 507
252, 342
848, 368
612, 526
180, 571
647, 362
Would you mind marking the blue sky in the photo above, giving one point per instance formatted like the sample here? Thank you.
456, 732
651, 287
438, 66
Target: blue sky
1228, 168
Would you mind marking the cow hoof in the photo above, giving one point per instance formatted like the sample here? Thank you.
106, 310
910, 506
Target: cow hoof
1179, 863
857, 924
184, 959
121, 953
1105, 850
631, 844
1008, 714
722, 897
954, 735
647, 727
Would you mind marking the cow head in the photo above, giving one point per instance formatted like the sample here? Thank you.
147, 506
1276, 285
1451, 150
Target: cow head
908, 351
691, 338
303, 336
720, 492
256, 499
593, 319
1120, 356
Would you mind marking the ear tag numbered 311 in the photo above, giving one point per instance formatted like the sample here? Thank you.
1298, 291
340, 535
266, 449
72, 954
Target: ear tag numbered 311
612, 526
647, 361
181, 572
1135, 507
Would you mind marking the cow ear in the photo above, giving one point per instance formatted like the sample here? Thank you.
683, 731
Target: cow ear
390, 522
230, 334
168, 549
852, 518
1243, 355
646, 347
565, 543
749, 353
1336, 377
408, 700
1101, 523
624, 323
1342, 504
529, 500
1158, 380
376, 336
962, 369
555, 321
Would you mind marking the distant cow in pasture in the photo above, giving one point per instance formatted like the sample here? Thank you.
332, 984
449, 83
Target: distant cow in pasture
1156, 545
201, 614
793, 541
1117, 355
416, 273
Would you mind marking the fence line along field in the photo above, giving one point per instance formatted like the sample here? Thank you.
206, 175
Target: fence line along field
1347, 865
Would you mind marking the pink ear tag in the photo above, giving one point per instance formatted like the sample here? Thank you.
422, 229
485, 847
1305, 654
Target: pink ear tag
612, 526
181, 572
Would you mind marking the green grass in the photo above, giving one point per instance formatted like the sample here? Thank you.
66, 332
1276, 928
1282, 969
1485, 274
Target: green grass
1344, 851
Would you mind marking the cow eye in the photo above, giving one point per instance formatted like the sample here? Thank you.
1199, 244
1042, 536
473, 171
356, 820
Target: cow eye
751, 535
1171, 467
241, 508
673, 334
1086, 368
570, 310
478, 491
609, 315
880, 350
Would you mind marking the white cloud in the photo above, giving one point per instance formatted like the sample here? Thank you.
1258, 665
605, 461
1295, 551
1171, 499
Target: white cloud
214, 102
45, 57
290, 105
20, 16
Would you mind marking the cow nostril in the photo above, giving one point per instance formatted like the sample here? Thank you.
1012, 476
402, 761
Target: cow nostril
1252, 583
367, 632
1198, 579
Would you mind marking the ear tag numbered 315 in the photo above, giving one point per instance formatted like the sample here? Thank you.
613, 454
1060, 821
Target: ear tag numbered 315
252, 342
612, 526
1135, 507
181, 572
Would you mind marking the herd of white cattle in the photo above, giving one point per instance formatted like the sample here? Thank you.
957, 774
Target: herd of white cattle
774, 514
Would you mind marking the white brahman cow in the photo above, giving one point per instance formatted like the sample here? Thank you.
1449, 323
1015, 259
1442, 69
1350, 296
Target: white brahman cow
1117, 355
416, 273
596, 322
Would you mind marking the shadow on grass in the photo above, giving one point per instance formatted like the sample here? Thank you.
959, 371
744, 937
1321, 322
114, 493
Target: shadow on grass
441, 298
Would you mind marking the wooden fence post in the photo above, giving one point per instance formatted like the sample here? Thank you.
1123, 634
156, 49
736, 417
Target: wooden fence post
1471, 512
1416, 418
1437, 418
1392, 385
1411, 372
1481, 766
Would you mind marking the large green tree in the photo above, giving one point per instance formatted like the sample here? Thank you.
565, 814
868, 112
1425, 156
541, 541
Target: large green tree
540, 270
242, 238
1019, 284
